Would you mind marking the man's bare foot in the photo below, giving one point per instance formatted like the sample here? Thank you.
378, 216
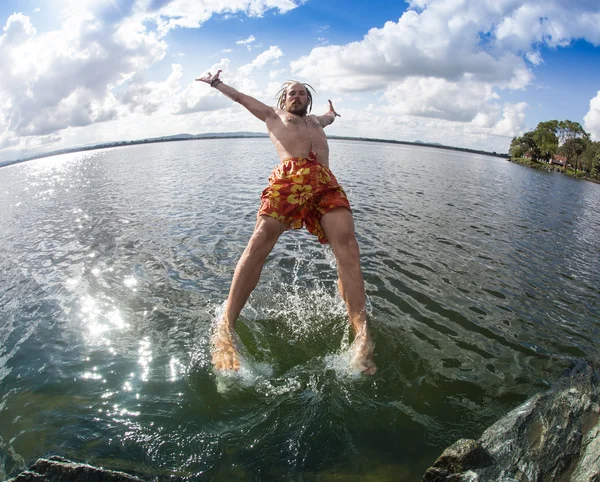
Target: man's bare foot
224, 354
362, 357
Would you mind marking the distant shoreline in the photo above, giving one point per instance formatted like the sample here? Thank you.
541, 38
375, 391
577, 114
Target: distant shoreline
190, 137
543, 166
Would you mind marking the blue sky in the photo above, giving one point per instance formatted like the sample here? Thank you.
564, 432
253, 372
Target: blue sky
469, 73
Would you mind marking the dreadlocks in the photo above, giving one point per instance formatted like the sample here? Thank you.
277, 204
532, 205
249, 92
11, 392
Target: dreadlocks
281, 95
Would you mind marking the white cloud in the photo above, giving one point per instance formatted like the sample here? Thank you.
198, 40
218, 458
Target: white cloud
150, 97
548, 22
374, 123
261, 60
199, 97
90, 69
275, 74
534, 57
438, 70
64, 78
451, 59
442, 41
592, 119
18, 29
470, 102
439, 98
247, 41
193, 13
512, 122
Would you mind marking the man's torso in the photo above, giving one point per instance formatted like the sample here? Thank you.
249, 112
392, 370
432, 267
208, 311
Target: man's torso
298, 136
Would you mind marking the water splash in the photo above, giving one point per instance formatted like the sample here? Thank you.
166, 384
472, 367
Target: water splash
250, 371
307, 312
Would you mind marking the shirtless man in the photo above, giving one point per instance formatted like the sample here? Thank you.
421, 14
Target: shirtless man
302, 190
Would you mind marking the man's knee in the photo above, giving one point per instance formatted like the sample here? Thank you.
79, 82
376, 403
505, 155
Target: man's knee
344, 244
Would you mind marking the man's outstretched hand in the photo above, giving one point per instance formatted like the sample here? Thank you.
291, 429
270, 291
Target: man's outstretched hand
209, 78
331, 109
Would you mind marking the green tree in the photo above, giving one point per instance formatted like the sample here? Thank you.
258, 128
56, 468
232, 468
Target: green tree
572, 138
516, 148
596, 167
590, 152
520, 146
546, 139
572, 149
530, 145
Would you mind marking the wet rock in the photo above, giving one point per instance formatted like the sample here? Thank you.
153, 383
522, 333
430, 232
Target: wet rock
552, 437
462, 456
58, 469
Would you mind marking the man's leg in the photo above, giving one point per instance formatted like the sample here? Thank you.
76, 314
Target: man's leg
246, 276
338, 227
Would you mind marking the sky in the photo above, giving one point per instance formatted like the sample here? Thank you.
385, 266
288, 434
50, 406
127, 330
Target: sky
465, 73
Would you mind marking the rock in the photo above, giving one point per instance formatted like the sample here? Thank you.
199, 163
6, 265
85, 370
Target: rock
58, 469
552, 437
462, 456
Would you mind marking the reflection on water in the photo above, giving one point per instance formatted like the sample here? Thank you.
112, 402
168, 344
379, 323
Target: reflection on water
482, 279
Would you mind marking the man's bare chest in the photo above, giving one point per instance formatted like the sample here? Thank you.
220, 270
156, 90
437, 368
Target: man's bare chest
302, 125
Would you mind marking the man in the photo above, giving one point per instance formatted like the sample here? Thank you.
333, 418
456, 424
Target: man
302, 191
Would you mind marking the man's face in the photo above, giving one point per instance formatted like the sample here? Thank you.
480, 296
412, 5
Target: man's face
296, 99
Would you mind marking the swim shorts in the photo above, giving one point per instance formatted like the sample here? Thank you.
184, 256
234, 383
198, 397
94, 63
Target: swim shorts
301, 190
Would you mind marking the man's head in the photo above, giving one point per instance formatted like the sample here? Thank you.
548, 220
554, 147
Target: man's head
295, 97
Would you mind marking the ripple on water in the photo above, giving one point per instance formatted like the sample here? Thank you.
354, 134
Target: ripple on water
116, 262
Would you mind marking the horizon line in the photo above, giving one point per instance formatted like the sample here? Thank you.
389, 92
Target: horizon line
237, 135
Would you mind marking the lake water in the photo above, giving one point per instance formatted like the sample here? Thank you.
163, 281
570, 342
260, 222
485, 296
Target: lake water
483, 281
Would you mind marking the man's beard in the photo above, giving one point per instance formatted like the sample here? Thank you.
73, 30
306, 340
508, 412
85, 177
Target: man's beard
298, 109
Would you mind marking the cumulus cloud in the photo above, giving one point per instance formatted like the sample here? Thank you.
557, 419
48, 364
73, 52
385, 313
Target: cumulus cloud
441, 66
261, 60
439, 98
247, 41
63, 78
512, 121
149, 97
198, 97
192, 14
450, 59
468, 101
375, 123
68, 78
534, 57
553, 23
485, 40
442, 41
591, 120
17, 30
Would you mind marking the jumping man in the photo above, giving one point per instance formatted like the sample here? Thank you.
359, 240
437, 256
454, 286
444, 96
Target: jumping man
302, 191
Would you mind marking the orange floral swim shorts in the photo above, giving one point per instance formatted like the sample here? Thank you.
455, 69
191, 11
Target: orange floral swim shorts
301, 190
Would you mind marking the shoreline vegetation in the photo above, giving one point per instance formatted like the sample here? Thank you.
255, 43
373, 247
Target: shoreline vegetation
562, 146
236, 135
544, 166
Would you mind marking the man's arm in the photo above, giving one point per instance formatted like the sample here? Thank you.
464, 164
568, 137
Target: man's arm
329, 117
256, 107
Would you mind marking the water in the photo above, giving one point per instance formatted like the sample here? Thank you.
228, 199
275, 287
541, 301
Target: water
482, 279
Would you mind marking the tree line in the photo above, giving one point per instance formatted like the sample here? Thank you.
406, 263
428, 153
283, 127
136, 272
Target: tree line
563, 138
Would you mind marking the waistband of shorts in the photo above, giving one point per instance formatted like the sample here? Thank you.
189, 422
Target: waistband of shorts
298, 159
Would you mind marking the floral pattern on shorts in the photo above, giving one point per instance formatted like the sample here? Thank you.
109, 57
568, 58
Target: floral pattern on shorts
301, 190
